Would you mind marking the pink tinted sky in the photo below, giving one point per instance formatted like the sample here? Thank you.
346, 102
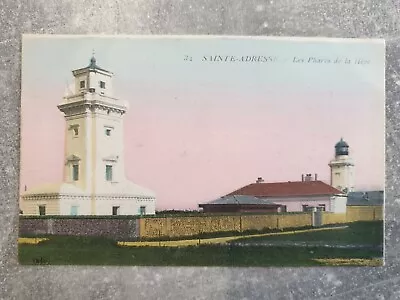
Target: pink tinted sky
198, 130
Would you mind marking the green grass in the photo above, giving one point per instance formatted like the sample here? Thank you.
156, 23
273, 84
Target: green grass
356, 233
95, 251
69, 250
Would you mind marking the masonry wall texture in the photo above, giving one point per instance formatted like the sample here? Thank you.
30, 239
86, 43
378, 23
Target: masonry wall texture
126, 229
330, 218
187, 226
179, 226
364, 213
354, 213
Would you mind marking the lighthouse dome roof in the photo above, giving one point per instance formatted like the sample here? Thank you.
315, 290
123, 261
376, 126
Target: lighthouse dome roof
93, 65
341, 143
341, 148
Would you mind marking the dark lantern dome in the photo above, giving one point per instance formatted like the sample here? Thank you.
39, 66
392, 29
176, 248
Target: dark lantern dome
93, 63
341, 148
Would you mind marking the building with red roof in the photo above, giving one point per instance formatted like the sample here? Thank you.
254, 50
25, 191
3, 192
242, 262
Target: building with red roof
290, 196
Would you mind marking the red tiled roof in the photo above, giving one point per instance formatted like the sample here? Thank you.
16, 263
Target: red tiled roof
287, 189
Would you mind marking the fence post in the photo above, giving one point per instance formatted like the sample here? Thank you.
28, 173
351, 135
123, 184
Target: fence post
138, 228
312, 218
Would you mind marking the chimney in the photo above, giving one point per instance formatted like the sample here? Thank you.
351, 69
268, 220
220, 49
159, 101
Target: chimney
308, 177
316, 177
260, 180
302, 177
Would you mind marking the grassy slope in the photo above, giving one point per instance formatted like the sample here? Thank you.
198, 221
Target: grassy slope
71, 250
101, 251
356, 233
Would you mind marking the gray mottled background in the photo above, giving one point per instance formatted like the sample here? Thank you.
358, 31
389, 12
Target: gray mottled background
332, 18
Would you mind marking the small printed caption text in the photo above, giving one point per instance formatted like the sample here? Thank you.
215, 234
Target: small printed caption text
276, 59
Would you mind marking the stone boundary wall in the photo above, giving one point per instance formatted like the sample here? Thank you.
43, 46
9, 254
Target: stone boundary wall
132, 227
188, 226
364, 213
106, 227
354, 214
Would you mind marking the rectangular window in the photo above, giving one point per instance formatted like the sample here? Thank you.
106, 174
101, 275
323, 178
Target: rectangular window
142, 210
102, 84
42, 210
109, 174
74, 210
82, 84
76, 131
115, 210
75, 172
108, 132
321, 207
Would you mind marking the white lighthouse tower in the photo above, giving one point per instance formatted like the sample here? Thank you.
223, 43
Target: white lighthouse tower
94, 180
342, 168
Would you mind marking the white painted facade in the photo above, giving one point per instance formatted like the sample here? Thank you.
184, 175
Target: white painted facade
338, 204
94, 180
329, 203
342, 170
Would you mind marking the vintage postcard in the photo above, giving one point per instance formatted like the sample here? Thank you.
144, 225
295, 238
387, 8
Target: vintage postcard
202, 151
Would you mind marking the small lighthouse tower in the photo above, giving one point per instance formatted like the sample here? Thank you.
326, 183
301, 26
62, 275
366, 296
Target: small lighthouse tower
342, 168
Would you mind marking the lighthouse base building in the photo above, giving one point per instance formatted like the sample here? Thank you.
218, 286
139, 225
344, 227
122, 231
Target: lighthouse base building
67, 199
94, 180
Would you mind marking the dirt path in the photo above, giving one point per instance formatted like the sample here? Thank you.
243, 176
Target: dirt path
322, 244
220, 240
